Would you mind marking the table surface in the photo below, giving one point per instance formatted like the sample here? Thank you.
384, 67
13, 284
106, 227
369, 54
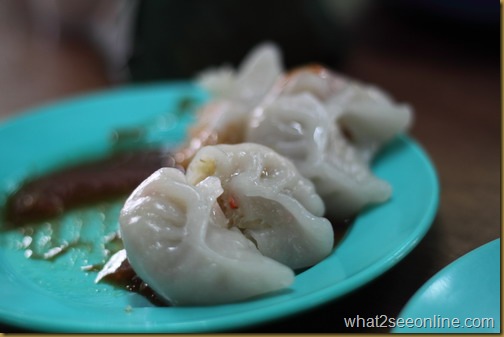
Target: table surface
450, 78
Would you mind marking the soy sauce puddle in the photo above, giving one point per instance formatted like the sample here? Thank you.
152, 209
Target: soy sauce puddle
124, 277
48, 196
87, 231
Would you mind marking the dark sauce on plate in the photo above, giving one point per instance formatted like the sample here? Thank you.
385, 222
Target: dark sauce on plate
124, 277
51, 195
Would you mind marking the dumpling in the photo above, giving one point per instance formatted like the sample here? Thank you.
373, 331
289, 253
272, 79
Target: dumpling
330, 128
251, 81
268, 200
178, 240
233, 227
300, 128
234, 95
369, 117
366, 113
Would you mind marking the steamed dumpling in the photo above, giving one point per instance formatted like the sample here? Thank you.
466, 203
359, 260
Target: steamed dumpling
234, 94
268, 200
251, 81
367, 114
178, 241
234, 226
308, 117
300, 128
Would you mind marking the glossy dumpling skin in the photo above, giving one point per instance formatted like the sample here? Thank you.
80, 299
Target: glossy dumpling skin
178, 240
234, 95
368, 114
251, 81
268, 200
330, 128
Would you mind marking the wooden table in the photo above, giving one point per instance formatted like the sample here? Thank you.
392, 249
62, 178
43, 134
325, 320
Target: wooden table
451, 79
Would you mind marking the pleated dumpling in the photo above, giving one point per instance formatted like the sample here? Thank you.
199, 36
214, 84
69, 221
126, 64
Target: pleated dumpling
251, 81
330, 128
178, 240
233, 227
234, 95
268, 200
366, 113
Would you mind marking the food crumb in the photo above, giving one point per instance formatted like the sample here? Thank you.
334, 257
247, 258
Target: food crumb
128, 309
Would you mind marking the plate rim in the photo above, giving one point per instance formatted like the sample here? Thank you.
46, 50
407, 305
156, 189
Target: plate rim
459, 262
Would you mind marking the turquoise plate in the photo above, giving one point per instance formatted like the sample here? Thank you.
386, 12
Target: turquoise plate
464, 297
60, 296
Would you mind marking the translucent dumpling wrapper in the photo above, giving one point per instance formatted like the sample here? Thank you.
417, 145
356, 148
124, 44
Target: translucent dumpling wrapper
269, 201
366, 113
251, 81
178, 241
234, 94
369, 116
330, 128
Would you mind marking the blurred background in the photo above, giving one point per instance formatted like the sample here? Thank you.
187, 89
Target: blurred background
442, 57
54, 48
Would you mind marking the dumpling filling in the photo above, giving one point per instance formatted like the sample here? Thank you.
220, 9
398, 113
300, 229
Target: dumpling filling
269, 201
